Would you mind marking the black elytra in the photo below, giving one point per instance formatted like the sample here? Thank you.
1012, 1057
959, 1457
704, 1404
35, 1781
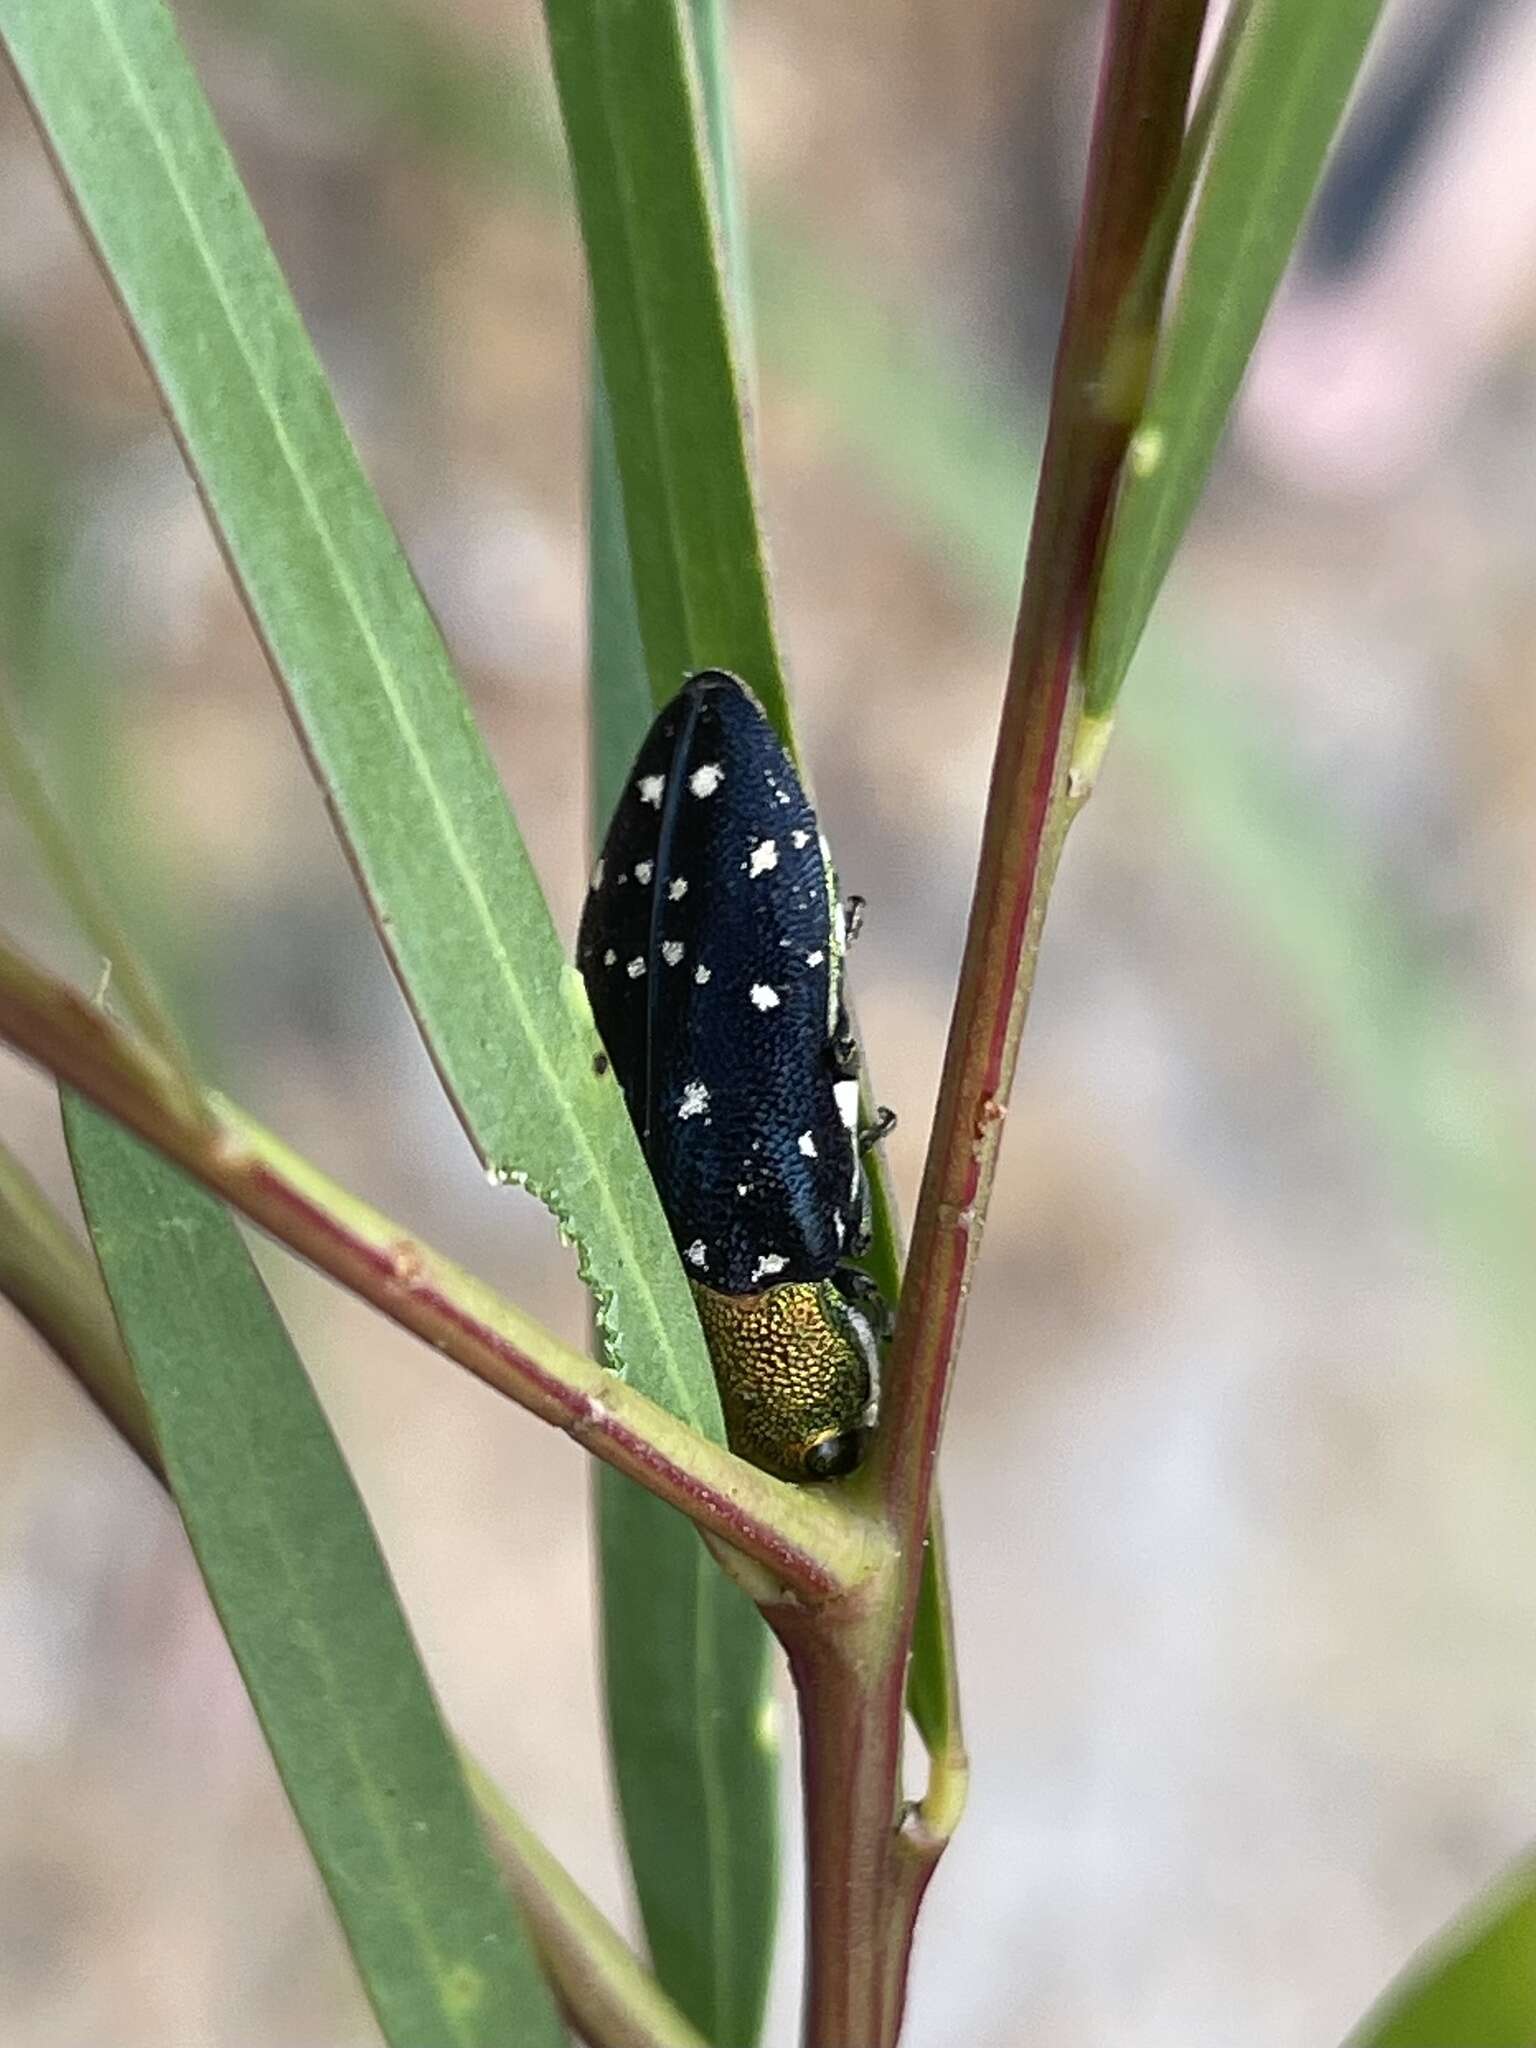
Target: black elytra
712, 947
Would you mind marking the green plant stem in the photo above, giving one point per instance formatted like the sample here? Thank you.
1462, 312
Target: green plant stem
610, 2000
810, 1543
50, 1277
869, 1859
87, 901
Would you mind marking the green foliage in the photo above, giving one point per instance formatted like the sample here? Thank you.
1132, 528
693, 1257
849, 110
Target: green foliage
687, 1680
306, 1601
413, 791
691, 1722
687, 1673
677, 583
1283, 86
932, 1681
629, 96
1475, 1984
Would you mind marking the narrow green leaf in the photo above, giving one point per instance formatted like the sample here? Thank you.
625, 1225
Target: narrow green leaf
687, 1672
306, 1601
629, 96
691, 1725
1474, 1984
438, 94
933, 1697
1280, 101
384, 718
55, 1281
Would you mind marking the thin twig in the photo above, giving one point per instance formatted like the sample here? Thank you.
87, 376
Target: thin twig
49, 1276
813, 1545
610, 2000
88, 901
1101, 371
870, 1860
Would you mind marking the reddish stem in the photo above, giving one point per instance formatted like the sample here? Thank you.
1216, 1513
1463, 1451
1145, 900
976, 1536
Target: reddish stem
850, 1693
868, 1857
811, 1543
869, 1861
1100, 378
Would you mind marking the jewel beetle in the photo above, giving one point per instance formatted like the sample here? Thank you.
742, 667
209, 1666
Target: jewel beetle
712, 946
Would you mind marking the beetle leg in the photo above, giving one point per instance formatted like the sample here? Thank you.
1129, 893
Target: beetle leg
845, 1047
853, 918
862, 1235
877, 1132
856, 1286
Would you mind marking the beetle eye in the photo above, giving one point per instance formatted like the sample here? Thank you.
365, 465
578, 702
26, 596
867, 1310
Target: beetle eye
835, 1455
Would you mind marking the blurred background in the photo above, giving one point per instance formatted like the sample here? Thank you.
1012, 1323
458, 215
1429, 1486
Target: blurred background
1241, 1473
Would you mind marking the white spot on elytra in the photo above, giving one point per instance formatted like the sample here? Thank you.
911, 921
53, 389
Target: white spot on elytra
807, 1145
799, 840
649, 789
846, 1096
763, 997
696, 1254
706, 780
678, 889
837, 1225
701, 974
609, 957
743, 1187
765, 855
635, 968
695, 1100
643, 871
671, 951
768, 1264
782, 795
815, 959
